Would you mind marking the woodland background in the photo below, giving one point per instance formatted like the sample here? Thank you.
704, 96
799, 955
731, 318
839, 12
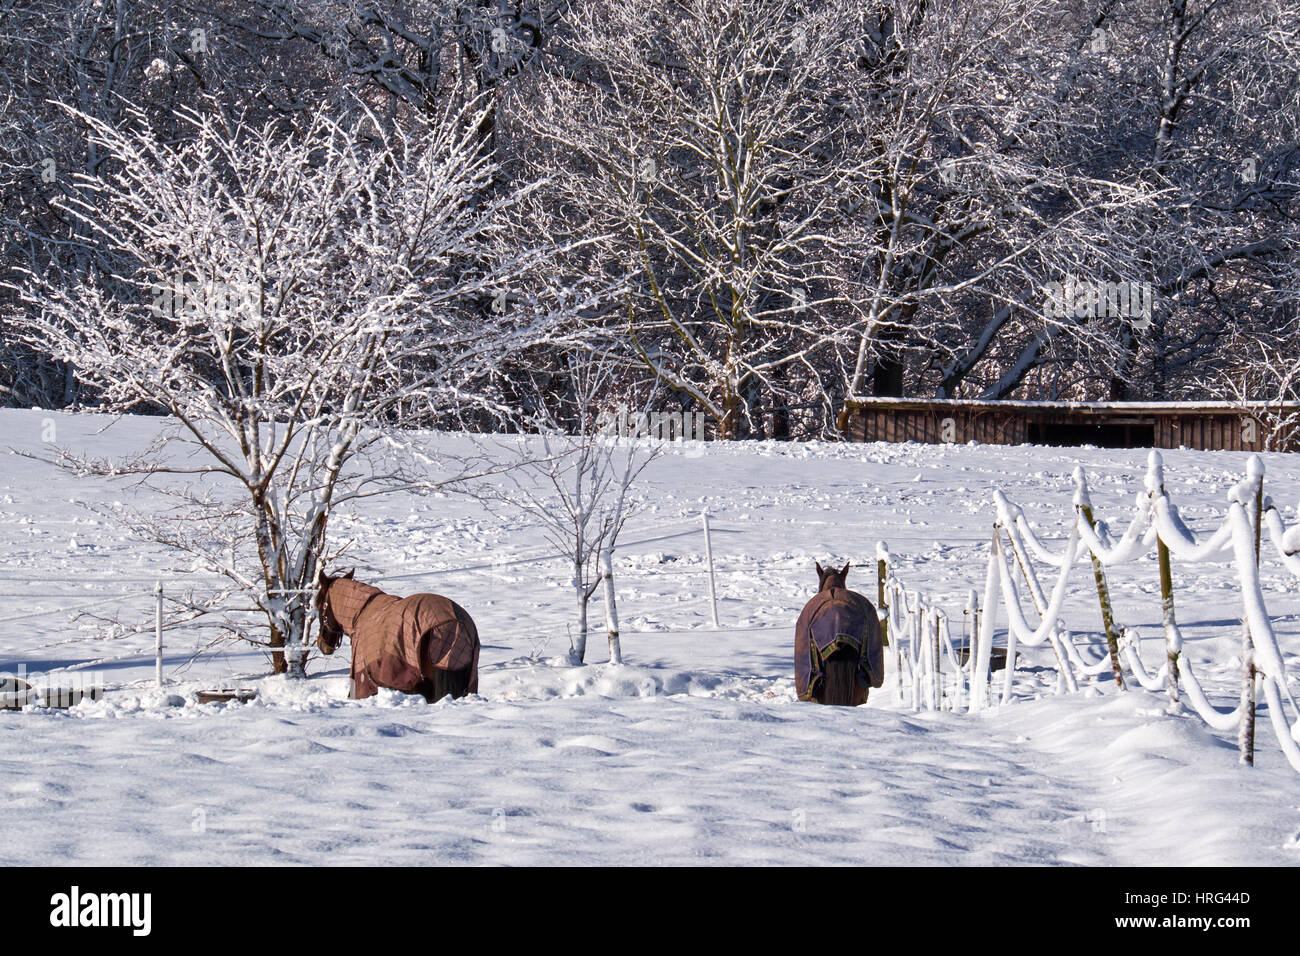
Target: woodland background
763, 206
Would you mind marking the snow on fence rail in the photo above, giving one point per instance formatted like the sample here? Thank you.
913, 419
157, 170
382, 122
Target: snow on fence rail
911, 618
1154, 523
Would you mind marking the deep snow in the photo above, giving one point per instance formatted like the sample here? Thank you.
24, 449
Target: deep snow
695, 750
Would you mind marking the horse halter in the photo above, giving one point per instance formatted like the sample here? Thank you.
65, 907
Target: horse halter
328, 635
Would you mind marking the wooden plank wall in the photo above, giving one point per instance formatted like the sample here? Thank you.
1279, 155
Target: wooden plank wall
1206, 431
1219, 431
926, 426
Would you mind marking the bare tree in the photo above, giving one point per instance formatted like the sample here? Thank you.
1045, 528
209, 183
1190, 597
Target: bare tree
88, 53
286, 293
976, 197
1265, 383
801, 201
1188, 108
707, 139
573, 478
1214, 89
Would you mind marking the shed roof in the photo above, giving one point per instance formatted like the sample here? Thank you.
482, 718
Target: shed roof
1099, 408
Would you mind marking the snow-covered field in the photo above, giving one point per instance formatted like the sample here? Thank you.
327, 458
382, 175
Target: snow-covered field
693, 751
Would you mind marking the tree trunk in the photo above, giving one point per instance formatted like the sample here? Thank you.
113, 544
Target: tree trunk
729, 424
611, 608
780, 406
69, 384
578, 648
752, 425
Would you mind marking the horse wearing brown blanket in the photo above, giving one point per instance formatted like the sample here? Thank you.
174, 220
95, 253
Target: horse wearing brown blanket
838, 652
423, 644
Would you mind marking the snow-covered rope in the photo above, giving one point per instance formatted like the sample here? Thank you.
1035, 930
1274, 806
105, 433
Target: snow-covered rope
1268, 655
1180, 540
1082, 664
1013, 518
1285, 733
1155, 521
1223, 720
1286, 543
1137, 538
1034, 637
913, 618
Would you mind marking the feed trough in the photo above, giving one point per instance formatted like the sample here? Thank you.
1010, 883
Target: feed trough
241, 695
62, 698
16, 694
997, 657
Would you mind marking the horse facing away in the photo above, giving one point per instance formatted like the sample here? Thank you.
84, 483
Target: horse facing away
422, 644
838, 652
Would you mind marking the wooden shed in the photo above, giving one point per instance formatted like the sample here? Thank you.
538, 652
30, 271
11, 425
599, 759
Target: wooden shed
1214, 426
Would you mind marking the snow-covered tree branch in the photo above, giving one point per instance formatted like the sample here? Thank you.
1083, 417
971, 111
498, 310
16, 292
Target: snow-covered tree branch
288, 294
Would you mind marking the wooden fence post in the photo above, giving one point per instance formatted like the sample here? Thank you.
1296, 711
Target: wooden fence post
708, 553
157, 633
972, 609
917, 653
882, 573
936, 649
1084, 506
1246, 728
1156, 489
979, 675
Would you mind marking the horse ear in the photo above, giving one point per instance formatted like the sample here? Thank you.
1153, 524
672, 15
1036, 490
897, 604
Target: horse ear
845, 572
820, 572
351, 572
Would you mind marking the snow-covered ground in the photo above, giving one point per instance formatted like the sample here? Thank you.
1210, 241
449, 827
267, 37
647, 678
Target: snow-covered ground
694, 750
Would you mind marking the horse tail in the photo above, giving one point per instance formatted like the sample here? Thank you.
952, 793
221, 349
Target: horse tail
840, 678
454, 684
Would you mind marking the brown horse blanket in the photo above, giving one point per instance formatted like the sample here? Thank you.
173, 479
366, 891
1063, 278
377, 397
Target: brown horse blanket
837, 618
393, 636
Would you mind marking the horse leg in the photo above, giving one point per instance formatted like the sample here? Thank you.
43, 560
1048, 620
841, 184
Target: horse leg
362, 688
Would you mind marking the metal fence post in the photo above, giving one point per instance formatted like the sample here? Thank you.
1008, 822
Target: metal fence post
708, 552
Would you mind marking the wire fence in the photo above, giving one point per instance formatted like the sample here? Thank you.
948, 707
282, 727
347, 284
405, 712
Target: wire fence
157, 589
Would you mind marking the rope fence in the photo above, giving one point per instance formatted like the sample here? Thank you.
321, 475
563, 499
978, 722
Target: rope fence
923, 642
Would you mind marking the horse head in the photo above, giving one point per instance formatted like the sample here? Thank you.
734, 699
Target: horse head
832, 577
330, 632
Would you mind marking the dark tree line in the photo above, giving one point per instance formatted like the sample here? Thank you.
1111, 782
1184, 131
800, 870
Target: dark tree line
790, 203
